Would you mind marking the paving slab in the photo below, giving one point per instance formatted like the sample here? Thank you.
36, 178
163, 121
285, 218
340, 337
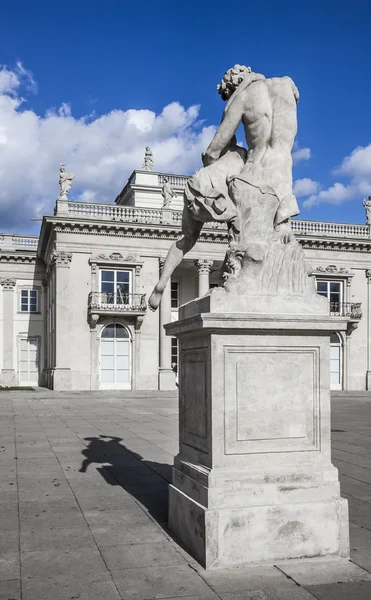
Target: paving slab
292, 593
9, 566
313, 572
67, 588
129, 556
248, 578
160, 582
53, 563
10, 589
342, 591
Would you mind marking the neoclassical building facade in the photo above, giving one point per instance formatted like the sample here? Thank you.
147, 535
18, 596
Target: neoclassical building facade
73, 310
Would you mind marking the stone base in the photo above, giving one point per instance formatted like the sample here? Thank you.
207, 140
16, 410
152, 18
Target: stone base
8, 377
253, 480
61, 379
228, 537
166, 379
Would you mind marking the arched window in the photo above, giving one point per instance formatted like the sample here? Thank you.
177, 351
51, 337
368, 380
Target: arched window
114, 330
336, 362
115, 358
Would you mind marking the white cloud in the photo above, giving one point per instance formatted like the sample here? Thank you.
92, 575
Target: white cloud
356, 166
101, 151
301, 154
305, 187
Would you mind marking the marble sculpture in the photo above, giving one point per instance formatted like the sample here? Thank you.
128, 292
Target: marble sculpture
65, 182
250, 190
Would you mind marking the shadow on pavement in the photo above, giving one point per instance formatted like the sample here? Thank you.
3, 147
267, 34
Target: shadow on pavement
145, 480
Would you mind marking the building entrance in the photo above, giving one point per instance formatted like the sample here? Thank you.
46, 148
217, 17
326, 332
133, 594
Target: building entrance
115, 358
28, 367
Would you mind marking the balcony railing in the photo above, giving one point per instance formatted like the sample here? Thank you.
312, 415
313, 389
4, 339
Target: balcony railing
117, 302
352, 310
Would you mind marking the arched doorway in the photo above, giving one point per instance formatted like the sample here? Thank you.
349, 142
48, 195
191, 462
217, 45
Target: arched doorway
115, 358
336, 362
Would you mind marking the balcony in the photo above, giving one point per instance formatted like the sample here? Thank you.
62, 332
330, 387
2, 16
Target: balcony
352, 310
106, 303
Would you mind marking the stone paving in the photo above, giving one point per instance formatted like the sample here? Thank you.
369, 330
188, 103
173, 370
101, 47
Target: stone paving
83, 505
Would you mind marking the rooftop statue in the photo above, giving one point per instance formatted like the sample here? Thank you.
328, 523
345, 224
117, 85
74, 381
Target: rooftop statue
148, 160
367, 205
167, 193
65, 182
250, 190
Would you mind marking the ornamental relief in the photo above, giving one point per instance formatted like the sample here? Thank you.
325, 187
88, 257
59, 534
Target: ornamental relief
8, 283
117, 256
332, 269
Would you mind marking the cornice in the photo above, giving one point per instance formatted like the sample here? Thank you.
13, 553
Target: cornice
338, 245
208, 234
18, 258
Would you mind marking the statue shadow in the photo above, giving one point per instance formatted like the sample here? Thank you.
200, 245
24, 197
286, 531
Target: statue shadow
145, 480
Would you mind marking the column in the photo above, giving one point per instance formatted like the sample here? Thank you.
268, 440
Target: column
8, 372
368, 372
203, 267
166, 379
63, 308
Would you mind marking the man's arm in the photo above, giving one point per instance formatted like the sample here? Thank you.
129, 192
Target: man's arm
232, 117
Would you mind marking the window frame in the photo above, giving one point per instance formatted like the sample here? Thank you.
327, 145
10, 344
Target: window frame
329, 281
29, 290
103, 269
175, 282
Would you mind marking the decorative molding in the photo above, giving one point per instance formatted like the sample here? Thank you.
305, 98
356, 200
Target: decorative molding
332, 269
115, 257
368, 275
18, 258
61, 259
138, 322
94, 318
203, 265
8, 283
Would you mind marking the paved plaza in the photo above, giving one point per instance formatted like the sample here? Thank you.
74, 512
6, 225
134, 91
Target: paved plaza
83, 493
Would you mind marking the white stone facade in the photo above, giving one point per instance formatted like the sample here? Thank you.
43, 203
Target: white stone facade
94, 265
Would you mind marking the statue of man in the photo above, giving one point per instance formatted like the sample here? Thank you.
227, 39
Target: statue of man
367, 205
267, 110
148, 160
65, 182
167, 193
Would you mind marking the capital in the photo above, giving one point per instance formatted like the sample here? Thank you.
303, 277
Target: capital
203, 265
61, 259
368, 275
8, 283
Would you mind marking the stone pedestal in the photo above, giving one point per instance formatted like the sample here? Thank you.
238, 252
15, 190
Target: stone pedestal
253, 480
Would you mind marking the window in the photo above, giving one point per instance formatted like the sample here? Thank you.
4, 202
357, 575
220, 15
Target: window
28, 300
332, 290
174, 294
336, 368
116, 287
174, 351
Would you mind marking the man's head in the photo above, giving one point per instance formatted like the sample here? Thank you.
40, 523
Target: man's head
61, 167
231, 80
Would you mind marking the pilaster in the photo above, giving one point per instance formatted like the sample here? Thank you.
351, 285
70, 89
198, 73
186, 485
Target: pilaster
166, 380
368, 372
8, 374
60, 261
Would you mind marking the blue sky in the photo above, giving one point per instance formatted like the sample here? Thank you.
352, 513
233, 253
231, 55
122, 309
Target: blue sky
118, 64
